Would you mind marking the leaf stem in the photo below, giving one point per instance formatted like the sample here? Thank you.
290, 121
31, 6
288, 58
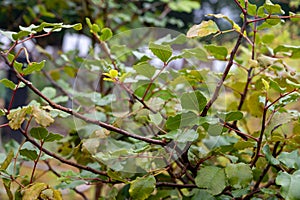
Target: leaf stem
12, 98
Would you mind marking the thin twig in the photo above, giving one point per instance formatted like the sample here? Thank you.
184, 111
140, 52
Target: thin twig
226, 71
262, 130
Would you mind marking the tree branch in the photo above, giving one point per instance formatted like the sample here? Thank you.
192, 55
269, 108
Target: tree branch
84, 118
49, 153
175, 185
226, 71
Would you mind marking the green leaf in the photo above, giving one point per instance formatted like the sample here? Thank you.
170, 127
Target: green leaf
252, 8
294, 17
181, 136
76, 27
293, 51
290, 159
273, 20
254, 106
194, 101
289, 185
181, 120
292, 83
276, 86
156, 118
30, 154
180, 39
212, 179
7, 83
163, 52
49, 92
33, 67
202, 194
21, 34
203, 29
142, 187
53, 137
7, 161
266, 150
184, 5
219, 52
272, 9
106, 34
95, 28
268, 38
88, 22
42, 117
116, 176
240, 145
231, 116
239, 175
145, 69
197, 52
39, 133
240, 192
214, 129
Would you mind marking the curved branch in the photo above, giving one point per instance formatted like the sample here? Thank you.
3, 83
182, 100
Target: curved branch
84, 118
49, 153
175, 185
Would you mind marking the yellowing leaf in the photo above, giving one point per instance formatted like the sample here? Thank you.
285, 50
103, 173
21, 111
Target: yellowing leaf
17, 117
203, 29
40, 191
42, 117
266, 84
221, 16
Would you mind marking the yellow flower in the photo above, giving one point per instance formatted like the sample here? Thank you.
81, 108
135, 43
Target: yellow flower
111, 76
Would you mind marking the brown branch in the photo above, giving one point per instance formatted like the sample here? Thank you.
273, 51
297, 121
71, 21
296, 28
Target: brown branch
264, 172
262, 130
244, 10
242, 100
281, 96
238, 132
271, 17
68, 162
175, 185
226, 71
36, 162
84, 118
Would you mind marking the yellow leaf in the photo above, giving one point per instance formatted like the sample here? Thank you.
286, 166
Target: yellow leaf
203, 29
17, 117
42, 117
